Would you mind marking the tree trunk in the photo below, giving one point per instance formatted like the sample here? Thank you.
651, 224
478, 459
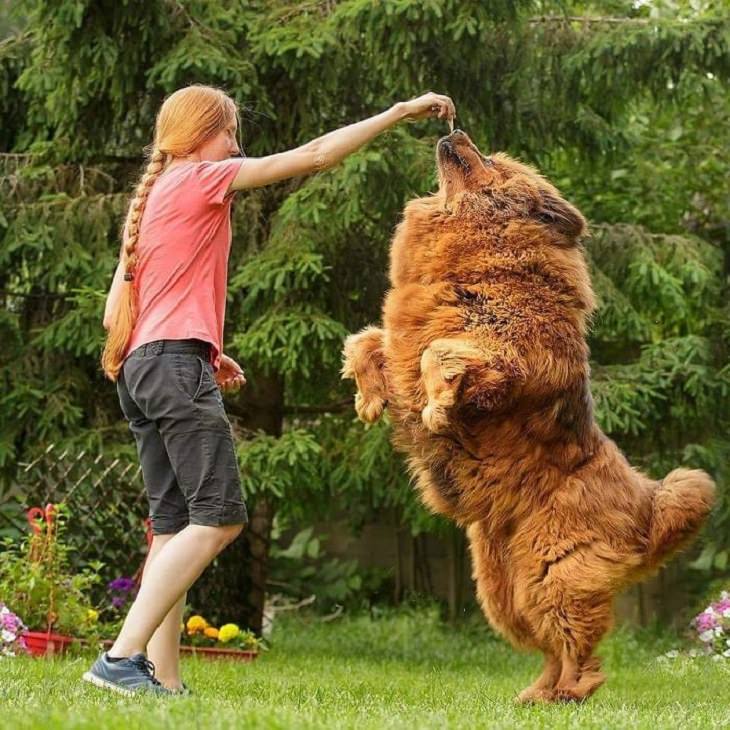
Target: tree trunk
456, 572
258, 540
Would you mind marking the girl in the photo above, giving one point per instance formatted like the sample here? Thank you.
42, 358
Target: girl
164, 316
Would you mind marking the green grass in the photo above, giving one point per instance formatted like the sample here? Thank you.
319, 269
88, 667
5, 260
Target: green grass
402, 670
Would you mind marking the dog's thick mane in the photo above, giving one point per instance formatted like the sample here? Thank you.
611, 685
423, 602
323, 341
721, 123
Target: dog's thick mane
482, 243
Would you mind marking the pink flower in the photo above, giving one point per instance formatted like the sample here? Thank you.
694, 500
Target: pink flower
10, 622
705, 621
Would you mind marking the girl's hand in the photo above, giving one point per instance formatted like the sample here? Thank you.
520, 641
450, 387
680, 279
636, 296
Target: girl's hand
230, 375
429, 105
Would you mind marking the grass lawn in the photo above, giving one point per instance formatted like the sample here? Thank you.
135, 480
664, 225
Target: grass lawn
401, 670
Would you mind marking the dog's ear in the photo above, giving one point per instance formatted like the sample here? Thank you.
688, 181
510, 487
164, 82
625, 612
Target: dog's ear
559, 213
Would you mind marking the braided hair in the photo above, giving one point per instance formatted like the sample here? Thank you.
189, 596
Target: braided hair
155, 166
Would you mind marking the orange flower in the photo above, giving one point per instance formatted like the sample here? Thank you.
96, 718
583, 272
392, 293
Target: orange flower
196, 624
211, 632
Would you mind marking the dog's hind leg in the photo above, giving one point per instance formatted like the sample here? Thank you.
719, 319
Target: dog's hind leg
578, 679
364, 360
543, 688
581, 626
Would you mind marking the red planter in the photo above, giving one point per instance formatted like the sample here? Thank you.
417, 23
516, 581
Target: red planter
212, 652
42, 643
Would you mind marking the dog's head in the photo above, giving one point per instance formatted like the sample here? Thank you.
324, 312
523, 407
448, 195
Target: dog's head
497, 187
490, 214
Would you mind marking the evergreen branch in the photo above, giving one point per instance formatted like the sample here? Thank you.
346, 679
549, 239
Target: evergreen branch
323, 7
607, 19
337, 407
629, 227
17, 38
68, 200
46, 295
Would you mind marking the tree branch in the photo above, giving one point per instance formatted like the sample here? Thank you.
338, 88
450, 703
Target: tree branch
337, 407
612, 20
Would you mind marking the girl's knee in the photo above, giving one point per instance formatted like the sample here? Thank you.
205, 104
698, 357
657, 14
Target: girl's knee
230, 532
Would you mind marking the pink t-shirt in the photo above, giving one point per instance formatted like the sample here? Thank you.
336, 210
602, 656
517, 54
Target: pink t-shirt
182, 255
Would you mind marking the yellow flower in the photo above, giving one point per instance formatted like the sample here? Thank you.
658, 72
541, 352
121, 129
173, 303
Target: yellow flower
196, 624
92, 616
228, 632
211, 632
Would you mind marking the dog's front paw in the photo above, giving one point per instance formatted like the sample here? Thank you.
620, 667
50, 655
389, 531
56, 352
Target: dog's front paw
435, 415
370, 409
441, 385
364, 360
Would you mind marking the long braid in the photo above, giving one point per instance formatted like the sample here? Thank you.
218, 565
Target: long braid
136, 208
126, 311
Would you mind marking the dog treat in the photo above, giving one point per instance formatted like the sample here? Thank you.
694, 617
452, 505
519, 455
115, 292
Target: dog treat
436, 108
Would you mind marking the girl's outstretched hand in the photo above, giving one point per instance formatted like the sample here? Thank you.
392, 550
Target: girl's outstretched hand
230, 375
429, 105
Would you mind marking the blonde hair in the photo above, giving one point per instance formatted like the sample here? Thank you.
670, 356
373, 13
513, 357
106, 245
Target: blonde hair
187, 118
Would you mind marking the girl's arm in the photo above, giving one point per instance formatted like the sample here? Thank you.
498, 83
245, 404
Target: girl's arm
329, 149
115, 290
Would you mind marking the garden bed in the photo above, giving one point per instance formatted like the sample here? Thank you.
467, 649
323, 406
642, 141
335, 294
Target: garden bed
209, 652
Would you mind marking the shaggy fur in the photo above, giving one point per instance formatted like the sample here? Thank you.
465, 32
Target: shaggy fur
483, 364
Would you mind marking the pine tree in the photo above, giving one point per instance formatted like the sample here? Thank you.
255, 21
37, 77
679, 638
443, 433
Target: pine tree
562, 85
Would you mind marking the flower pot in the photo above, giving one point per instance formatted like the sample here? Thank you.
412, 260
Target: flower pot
213, 652
43, 643
209, 652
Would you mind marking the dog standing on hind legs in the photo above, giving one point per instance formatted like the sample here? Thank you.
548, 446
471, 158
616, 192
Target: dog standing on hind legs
482, 363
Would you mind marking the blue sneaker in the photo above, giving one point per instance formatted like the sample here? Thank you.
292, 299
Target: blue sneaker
128, 676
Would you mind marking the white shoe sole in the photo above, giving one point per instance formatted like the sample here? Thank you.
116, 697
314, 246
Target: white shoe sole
99, 682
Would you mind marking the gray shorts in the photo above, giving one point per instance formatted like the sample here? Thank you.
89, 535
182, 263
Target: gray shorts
167, 392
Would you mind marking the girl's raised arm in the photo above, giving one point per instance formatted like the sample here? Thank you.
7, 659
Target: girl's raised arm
329, 149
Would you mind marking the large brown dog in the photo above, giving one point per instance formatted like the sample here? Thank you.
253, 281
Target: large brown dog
483, 363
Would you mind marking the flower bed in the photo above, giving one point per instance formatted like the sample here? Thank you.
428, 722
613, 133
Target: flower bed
203, 639
199, 638
213, 652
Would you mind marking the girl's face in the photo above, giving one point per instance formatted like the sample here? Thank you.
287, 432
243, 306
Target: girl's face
221, 146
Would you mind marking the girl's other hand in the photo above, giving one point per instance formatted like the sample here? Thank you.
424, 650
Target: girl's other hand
230, 375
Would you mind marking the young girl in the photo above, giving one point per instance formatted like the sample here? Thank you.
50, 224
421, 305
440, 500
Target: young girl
164, 316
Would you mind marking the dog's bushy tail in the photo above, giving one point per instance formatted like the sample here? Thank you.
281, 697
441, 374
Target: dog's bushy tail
680, 505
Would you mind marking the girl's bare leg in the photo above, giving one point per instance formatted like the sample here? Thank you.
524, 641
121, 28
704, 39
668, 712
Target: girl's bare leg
167, 578
163, 649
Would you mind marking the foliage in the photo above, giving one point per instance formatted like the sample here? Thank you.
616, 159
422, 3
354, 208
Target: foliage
623, 104
302, 569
